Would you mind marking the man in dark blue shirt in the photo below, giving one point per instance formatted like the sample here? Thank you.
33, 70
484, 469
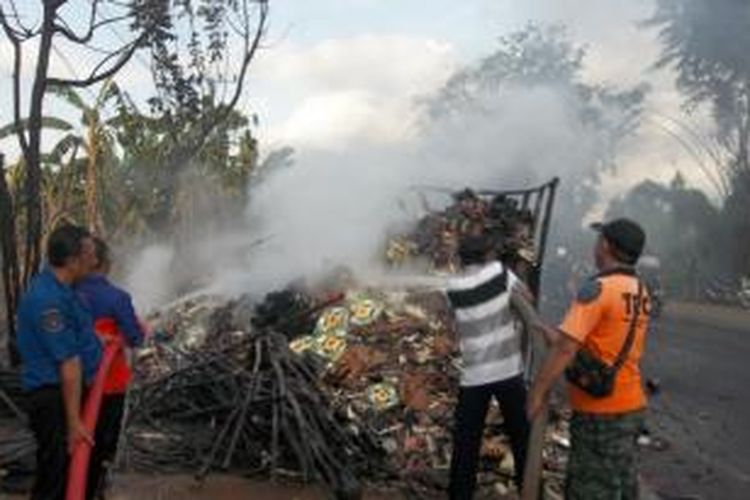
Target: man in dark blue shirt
114, 321
59, 354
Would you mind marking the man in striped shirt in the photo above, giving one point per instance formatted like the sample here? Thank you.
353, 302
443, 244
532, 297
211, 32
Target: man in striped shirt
492, 364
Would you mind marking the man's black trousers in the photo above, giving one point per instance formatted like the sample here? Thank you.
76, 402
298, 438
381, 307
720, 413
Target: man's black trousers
470, 415
105, 439
48, 424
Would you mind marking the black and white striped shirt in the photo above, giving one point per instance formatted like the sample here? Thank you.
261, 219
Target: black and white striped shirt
489, 340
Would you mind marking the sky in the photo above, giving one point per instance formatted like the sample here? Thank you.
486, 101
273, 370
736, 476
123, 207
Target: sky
337, 72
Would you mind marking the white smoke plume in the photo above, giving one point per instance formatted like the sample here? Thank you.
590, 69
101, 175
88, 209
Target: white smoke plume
336, 208
148, 277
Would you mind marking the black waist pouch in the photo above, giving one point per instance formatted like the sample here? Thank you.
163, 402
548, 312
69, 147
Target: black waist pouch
590, 374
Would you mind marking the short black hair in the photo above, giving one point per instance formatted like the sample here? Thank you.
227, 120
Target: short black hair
465, 195
474, 250
102, 252
65, 242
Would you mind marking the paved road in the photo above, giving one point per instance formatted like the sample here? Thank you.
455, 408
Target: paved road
702, 357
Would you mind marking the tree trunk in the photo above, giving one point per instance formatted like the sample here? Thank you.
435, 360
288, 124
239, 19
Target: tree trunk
33, 158
92, 212
10, 274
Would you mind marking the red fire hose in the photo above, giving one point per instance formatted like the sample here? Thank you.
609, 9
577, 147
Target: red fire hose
79, 463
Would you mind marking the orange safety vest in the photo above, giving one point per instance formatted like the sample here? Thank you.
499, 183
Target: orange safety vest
120, 374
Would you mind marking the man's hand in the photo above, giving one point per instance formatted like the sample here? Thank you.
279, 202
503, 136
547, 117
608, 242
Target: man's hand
559, 357
77, 432
70, 377
535, 404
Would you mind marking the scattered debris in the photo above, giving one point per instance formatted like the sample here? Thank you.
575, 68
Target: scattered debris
653, 386
368, 399
647, 440
242, 402
17, 445
436, 236
644, 441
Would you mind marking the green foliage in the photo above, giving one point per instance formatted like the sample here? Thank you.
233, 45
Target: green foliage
149, 174
192, 52
707, 42
138, 195
49, 122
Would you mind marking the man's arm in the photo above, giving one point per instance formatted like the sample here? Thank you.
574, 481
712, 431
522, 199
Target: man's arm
58, 335
560, 356
581, 319
128, 321
521, 301
71, 382
425, 282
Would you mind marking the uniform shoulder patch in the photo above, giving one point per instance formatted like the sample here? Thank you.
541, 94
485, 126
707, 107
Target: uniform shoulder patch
590, 290
52, 320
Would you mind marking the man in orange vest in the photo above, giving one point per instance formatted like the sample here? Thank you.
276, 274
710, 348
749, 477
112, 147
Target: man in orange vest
599, 350
114, 320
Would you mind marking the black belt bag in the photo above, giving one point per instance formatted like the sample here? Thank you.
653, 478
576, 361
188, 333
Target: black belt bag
594, 376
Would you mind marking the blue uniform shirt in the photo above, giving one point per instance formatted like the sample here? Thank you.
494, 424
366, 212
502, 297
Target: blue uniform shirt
105, 300
53, 326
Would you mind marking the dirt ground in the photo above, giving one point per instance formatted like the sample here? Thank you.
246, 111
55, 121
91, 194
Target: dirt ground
216, 487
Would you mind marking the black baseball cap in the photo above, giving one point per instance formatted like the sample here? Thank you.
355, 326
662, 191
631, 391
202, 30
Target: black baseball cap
626, 236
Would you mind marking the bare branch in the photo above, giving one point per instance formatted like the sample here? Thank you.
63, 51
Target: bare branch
237, 30
64, 29
251, 47
201, 132
11, 33
250, 50
24, 31
125, 54
17, 58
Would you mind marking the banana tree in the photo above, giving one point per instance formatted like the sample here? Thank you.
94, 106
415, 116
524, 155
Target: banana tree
12, 216
170, 195
97, 141
60, 170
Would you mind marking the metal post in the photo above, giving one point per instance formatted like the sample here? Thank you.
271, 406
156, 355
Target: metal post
534, 459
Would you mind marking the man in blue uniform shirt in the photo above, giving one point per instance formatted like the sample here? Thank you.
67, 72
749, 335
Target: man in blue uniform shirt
59, 354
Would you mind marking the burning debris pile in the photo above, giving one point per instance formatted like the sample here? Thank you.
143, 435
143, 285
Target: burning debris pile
368, 394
